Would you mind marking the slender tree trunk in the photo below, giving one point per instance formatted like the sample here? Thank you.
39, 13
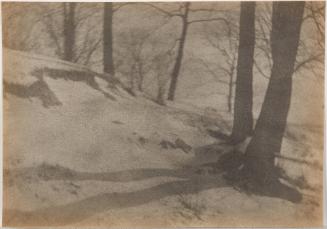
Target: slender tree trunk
179, 58
69, 30
230, 89
108, 61
243, 118
160, 95
140, 75
230, 96
269, 130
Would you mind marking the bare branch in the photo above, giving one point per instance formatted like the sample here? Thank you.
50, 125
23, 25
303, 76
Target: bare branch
167, 13
314, 58
200, 10
51, 31
119, 6
260, 70
91, 51
212, 72
209, 20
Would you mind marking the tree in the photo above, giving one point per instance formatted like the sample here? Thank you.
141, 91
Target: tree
183, 13
224, 39
108, 13
310, 54
180, 52
259, 164
108, 61
77, 44
69, 30
135, 50
162, 63
243, 118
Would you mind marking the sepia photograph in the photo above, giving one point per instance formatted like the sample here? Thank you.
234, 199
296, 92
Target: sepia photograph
163, 114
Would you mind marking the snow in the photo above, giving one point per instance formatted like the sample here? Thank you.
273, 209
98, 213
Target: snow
94, 160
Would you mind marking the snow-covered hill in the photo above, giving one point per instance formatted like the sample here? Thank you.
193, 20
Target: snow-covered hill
80, 152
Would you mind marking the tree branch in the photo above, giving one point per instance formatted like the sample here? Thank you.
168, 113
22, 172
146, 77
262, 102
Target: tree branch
91, 51
212, 72
260, 70
205, 10
170, 14
209, 20
121, 5
307, 61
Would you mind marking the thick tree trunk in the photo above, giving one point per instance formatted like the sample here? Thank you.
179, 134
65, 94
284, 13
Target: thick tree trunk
69, 30
179, 58
269, 130
108, 61
243, 118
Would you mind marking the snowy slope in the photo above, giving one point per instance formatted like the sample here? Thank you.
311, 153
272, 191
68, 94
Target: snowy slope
93, 155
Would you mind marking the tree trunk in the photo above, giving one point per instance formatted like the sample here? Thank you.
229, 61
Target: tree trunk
160, 95
108, 61
141, 76
269, 130
69, 30
243, 118
230, 89
179, 58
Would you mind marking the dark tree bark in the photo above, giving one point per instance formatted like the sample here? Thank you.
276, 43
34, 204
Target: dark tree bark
243, 118
230, 88
108, 61
69, 30
269, 130
180, 52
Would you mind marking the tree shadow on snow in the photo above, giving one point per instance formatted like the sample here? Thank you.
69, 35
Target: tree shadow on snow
77, 211
80, 210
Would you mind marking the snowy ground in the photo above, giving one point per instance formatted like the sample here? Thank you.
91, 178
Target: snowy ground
84, 154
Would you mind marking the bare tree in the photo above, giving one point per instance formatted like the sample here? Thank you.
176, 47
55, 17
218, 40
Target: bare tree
108, 12
161, 63
224, 39
315, 11
180, 52
69, 30
311, 49
243, 118
134, 57
108, 62
183, 13
266, 142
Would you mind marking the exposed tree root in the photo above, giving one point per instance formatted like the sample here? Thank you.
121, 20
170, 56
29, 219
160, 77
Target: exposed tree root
243, 180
